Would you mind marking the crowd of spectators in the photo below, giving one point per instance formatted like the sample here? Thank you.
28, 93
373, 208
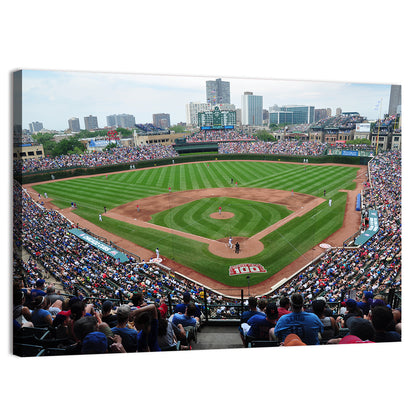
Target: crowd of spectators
368, 321
344, 121
219, 136
288, 147
106, 157
355, 277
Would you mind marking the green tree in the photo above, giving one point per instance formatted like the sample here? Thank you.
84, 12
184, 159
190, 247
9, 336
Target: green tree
111, 145
178, 129
124, 132
265, 136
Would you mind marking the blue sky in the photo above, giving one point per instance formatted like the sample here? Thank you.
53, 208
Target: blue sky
52, 97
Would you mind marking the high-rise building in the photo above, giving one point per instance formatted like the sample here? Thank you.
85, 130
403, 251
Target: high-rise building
328, 112
161, 120
91, 122
266, 116
238, 116
302, 114
281, 117
395, 103
192, 110
73, 124
218, 92
35, 126
111, 121
338, 111
251, 109
126, 121
321, 113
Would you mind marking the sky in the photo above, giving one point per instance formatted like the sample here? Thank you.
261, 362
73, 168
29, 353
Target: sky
53, 97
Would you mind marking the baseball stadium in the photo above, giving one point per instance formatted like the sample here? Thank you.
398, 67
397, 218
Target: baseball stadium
208, 243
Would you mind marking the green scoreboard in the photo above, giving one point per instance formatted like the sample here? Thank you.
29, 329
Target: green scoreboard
217, 119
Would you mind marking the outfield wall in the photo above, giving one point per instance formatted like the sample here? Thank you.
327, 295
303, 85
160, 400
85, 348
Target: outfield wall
43, 176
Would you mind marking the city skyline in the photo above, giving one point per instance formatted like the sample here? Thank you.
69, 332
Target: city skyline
53, 97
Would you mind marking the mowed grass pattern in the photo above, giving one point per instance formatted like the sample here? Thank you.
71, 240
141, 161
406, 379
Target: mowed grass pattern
281, 247
250, 217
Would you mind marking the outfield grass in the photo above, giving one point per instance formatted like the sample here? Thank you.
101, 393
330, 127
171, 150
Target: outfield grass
281, 246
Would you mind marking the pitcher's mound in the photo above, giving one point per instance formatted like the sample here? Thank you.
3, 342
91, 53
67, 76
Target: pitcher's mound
222, 216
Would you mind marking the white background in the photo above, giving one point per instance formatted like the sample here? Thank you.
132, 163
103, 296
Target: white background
301, 40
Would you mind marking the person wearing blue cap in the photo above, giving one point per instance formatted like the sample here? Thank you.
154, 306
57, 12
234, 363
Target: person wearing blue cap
94, 343
366, 302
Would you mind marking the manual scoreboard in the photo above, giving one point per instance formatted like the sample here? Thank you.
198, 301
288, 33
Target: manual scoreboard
217, 119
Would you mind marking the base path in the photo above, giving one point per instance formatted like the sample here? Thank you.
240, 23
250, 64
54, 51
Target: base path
352, 220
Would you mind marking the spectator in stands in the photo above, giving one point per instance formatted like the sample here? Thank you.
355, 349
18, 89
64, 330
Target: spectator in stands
384, 325
261, 305
107, 314
246, 315
182, 306
331, 328
128, 335
137, 300
252, 310
366, 302
147, 325
361, 330
304, 324
61, 324
38, 290
397, 315
261, 324
41, 317
78, 311
352, 311
169, 334
163, 308
21, 314
283, 309
91, 341
52, 295
187, 319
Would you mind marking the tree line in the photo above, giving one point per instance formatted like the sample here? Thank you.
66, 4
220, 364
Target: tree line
72, 144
